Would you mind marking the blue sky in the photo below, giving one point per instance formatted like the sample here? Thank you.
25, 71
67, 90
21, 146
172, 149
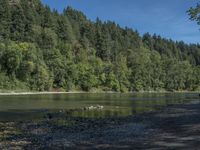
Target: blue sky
167, 18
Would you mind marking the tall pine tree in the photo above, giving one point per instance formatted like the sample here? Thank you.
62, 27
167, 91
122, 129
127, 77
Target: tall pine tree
5, 19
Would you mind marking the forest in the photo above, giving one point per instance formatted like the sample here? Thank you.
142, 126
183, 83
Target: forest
44, 50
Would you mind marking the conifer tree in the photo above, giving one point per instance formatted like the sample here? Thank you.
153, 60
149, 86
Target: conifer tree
5, 19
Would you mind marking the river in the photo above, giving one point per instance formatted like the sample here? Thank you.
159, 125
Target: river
29, 107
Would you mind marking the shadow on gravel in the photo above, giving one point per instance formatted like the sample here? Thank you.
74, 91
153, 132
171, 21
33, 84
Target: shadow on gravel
177, 127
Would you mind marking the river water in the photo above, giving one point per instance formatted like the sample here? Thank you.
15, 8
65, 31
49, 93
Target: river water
28, 107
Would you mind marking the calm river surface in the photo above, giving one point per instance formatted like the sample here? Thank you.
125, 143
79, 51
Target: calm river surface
28, 107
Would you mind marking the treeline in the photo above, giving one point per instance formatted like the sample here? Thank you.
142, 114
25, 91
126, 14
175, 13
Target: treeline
44, 50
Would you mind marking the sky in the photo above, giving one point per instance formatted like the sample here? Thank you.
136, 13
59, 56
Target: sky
167, 18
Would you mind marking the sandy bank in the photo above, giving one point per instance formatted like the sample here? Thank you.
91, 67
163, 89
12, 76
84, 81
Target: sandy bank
36, 93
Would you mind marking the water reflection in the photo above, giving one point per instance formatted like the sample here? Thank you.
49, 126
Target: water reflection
34, 106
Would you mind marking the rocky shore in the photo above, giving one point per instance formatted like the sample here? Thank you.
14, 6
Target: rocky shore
173, 127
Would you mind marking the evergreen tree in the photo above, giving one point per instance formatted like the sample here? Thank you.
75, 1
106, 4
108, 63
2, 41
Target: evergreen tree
5, 19
18, 23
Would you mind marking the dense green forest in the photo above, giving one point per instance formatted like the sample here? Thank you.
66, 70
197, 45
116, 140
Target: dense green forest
43, 50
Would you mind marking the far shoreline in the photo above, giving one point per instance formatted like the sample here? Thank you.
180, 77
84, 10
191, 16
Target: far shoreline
13, 93
36, 93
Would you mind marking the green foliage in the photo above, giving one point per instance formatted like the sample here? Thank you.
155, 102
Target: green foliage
5, 16
12, 57
64, 29
43, 50
86, 78
17, 29
48, 39
195, 13
112, 83
11, 84
41, 80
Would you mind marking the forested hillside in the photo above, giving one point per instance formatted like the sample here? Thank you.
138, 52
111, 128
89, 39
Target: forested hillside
44, 50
